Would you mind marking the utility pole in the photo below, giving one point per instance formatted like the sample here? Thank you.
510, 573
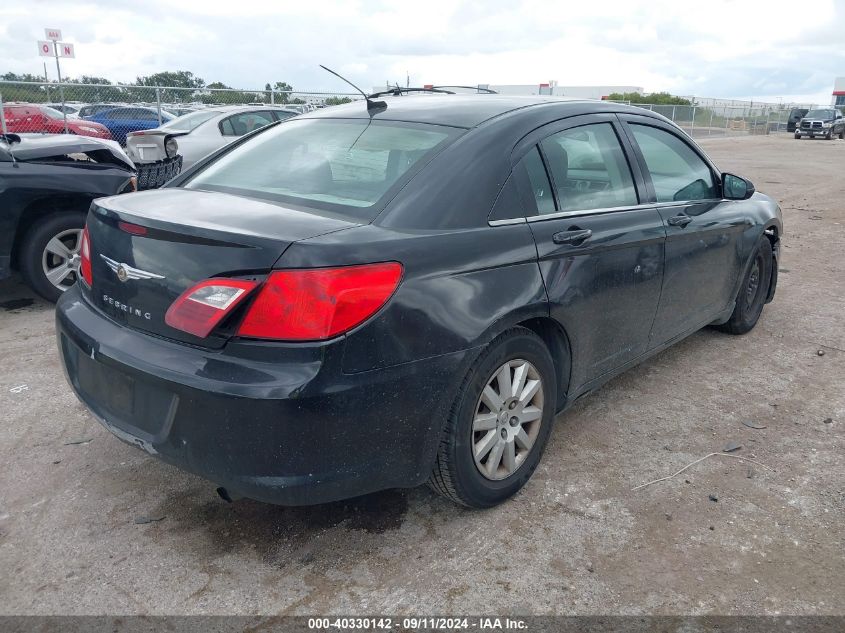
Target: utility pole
47, 82
50, 48
61, 88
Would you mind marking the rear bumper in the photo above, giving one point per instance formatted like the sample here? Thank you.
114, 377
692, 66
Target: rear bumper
280, 424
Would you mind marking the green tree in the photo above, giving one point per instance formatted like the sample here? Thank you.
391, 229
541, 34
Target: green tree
285, 88
657, 98
337, 100
171, 79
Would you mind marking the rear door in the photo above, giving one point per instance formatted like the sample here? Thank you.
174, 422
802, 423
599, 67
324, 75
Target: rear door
702, 230
600, 250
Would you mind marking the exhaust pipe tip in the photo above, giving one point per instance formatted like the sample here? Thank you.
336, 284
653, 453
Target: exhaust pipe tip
226, 495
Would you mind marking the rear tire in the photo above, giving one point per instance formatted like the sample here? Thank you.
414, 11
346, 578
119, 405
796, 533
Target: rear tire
752, 292
514, 431
842, 132
51, 247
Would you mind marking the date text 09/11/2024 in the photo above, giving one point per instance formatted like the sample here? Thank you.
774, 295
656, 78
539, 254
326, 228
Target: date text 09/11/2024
418, 623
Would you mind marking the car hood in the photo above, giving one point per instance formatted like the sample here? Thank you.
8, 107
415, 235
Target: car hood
44, 146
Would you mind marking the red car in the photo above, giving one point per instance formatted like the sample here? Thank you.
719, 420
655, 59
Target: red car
22, 118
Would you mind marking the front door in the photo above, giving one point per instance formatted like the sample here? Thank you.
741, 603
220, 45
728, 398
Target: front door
703, 260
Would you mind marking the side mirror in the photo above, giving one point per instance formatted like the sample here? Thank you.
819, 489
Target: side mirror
736, 187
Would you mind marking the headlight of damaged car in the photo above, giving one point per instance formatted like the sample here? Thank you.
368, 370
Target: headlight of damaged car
826, 124
171, 147
88, 128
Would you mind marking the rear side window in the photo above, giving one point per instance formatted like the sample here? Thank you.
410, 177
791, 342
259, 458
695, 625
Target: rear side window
589, 168
534, 182
338, 165
677, 172
245, 122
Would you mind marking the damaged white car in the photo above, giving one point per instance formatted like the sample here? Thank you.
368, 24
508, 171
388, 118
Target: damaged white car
163, 152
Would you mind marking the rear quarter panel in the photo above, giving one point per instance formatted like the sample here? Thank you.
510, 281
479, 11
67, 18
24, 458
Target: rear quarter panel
459, 288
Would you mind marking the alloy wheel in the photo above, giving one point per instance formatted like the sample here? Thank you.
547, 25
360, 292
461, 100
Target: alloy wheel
507, 419
60, 259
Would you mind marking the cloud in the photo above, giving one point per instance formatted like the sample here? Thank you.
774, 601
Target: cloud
720, 48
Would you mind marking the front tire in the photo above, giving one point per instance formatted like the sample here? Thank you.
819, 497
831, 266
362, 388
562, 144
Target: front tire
752, 292
797, 136
499, 423
49, 254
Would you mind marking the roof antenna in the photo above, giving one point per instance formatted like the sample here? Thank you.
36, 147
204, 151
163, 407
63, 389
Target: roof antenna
371, 105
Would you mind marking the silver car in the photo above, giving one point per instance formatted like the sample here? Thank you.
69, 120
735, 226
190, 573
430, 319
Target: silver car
161, 153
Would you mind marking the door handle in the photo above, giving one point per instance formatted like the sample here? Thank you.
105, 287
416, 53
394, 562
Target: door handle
576, 237
681, 220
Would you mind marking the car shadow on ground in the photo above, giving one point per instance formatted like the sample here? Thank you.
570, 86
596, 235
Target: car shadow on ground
15, 295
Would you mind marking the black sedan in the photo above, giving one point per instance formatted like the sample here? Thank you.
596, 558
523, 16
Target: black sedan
373, 297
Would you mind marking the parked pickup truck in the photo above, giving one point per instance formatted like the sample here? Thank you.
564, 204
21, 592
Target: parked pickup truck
826, 122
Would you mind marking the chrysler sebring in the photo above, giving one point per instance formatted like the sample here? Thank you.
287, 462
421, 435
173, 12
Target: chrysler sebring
382, 294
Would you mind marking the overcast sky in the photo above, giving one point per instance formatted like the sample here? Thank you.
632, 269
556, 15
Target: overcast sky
714, 48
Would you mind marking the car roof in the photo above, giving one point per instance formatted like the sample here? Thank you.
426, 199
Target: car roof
464, 111
234, 108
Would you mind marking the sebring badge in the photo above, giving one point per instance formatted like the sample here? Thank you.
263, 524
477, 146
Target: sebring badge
125, 272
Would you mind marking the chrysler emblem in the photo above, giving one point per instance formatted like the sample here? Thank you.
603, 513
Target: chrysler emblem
126, 272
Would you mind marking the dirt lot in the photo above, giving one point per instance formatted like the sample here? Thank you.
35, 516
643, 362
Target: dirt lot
576, 540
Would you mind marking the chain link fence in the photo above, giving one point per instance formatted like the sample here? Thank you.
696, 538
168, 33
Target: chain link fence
111, 111
732, 119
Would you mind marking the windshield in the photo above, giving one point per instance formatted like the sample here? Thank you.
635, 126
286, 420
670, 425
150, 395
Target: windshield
819, 114
188, 122
52, 112
342, 165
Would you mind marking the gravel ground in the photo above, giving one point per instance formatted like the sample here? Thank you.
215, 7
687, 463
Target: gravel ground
724, 537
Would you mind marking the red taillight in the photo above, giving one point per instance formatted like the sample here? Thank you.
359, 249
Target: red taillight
319, 303
202, 307
85, 257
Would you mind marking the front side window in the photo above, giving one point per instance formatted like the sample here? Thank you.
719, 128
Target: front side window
589, 169
345, 166
677, 172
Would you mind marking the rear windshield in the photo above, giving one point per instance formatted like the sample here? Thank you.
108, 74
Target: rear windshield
188, 122
348, 166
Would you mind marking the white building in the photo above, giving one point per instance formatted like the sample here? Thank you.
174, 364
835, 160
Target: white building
552, 88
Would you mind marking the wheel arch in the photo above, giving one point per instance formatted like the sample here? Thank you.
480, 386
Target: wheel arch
557, 342
42, 208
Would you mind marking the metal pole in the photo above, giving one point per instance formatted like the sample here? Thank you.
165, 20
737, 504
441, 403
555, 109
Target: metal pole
272, 97
692, 125
61, 89
2, 114
673, 114
158, 104
47, 82
710, 126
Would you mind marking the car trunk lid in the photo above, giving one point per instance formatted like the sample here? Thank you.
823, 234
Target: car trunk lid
149, 247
